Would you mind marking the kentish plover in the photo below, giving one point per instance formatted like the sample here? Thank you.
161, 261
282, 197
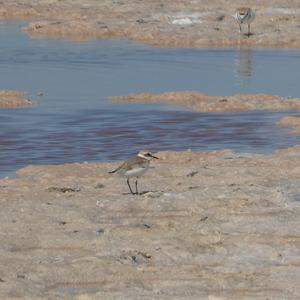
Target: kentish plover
135, 167
244, 15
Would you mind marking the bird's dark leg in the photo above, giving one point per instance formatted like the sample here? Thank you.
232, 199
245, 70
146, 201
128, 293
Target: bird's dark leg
129, 186
248, 30
240, 28
136, 188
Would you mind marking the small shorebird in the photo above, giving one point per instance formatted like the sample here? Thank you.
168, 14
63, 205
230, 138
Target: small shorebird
244, 15
135, 167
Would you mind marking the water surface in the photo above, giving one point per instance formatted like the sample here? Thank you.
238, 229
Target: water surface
75, 122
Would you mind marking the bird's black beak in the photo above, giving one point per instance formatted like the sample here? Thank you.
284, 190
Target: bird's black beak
154, 156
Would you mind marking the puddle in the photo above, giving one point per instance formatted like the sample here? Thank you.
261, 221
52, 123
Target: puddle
75, 122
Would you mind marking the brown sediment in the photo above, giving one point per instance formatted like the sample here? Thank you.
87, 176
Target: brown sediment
202, 102
161, 23
14, 99
293, 122
214, 225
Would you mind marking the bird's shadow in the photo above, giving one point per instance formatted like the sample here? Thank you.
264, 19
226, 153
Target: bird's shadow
141, 193
248, 34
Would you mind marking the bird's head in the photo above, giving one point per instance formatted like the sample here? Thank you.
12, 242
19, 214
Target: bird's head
243, 11
146, 155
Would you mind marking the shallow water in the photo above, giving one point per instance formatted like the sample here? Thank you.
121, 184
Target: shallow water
74, 122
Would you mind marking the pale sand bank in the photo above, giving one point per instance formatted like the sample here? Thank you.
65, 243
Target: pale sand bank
293, 122
202, 102
161, 23
14, 99
215, 225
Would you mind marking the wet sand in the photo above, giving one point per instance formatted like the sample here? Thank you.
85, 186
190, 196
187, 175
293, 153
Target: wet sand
160, 23
292, 122
14, 99
202, 102
215, 225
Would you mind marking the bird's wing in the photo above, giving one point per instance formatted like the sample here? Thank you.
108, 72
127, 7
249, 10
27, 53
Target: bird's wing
134, 163
131, 164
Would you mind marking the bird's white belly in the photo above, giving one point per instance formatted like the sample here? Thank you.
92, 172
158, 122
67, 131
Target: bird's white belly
135, 172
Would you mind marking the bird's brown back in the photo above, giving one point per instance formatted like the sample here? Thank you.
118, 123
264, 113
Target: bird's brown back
134, 162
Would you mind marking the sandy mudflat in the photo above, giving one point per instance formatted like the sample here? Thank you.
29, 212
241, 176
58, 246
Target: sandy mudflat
293, 122
202, 102
14, 99
215, 225
164, 23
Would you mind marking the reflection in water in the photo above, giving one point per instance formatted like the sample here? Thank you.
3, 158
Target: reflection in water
243, 65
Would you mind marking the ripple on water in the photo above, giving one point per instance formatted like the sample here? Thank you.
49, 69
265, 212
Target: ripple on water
104, 135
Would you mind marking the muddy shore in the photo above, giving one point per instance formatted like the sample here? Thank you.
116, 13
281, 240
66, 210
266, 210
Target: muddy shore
292, 122
165, 23
214, 225
14, 99
202, 102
